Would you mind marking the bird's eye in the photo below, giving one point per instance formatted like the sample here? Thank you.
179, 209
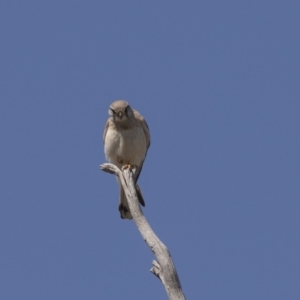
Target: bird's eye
127, 109
111, 111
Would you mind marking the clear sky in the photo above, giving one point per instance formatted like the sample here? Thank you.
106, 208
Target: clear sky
219, 85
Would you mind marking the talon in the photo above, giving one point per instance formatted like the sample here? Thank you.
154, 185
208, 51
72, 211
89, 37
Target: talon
132, 168
127, 166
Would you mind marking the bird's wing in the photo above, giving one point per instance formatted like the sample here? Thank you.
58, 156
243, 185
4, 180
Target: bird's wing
146, 131
105, 130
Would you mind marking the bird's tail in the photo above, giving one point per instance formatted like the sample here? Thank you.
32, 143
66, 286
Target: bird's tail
123, 206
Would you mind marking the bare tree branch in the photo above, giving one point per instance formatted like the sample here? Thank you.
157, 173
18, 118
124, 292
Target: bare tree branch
163, 268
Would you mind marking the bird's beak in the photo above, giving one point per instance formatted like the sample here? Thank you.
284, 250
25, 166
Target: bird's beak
120, 114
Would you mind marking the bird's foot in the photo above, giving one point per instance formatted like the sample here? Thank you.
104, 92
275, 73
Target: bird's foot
127, 166
131, 168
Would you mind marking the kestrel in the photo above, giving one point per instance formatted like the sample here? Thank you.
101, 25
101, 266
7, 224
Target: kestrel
126, 140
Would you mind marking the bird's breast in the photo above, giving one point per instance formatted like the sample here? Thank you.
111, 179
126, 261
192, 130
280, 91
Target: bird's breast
128, 146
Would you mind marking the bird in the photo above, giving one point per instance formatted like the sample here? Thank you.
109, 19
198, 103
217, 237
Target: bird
126, 140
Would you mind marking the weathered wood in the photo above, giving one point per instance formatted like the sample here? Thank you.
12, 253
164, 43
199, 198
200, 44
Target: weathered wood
164, 267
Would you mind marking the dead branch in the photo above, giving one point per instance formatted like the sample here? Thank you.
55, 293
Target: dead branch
164, 267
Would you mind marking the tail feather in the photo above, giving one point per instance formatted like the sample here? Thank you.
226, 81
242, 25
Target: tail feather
139, 195
123, 206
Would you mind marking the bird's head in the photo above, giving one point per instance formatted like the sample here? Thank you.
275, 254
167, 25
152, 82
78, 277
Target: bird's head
120, 111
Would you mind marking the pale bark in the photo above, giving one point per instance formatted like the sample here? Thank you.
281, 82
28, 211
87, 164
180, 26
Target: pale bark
164, 267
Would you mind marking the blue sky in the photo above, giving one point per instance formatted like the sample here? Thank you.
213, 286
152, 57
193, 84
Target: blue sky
219, 85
